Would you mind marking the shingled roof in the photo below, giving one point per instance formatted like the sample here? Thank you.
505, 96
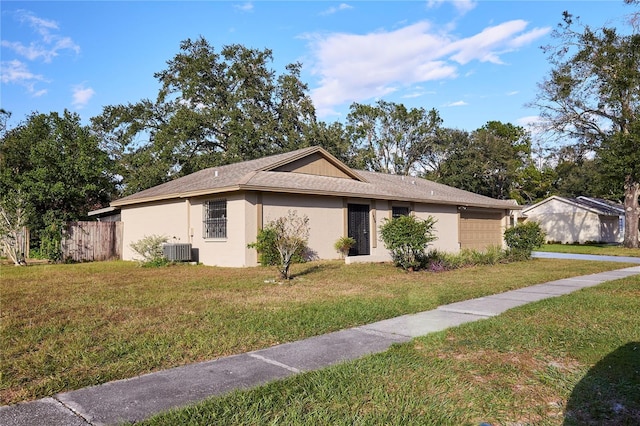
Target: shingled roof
593, 205
266, 174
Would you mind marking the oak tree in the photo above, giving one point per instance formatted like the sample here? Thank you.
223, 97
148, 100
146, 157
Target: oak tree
212, 108
390, 138
592, 97
488, 161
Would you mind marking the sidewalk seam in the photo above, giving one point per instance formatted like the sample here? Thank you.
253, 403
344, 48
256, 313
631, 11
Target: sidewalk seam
366, 330
274, 362
75, 413
444, 308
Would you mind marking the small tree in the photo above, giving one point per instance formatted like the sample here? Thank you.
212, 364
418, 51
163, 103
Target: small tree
13, 219
292, 235
523, 238
407, 238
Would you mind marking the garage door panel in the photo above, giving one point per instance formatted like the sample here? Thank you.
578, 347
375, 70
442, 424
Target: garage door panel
479, 230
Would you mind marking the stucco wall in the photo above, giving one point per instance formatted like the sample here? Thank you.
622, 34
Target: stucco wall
565, 222
610, 229
241, 230
183, 219
326, 223
446, 227
167, 219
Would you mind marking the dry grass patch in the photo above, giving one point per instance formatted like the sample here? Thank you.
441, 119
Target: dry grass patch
571, 360
68, 326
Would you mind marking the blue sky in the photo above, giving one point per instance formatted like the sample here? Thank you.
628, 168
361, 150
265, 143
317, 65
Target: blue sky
473, 61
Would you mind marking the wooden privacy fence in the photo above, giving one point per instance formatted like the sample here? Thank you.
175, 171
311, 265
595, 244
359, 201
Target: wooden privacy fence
89, 241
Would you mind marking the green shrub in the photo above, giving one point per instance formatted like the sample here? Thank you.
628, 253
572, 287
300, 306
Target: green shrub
407, 238
149, 248
266, 247
523, 238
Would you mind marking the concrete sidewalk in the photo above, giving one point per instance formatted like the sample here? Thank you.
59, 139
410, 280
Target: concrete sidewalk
596, 257
140, 397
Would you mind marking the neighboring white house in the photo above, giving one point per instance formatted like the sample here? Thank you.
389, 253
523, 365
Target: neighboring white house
578, 220
218, 211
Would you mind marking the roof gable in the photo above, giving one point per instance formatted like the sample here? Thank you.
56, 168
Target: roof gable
316, 162
591, 205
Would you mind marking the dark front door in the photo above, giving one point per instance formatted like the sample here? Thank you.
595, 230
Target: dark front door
358, 228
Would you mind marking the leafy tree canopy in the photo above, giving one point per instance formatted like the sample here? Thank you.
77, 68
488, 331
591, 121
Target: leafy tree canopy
592, 98
488, 161
390, 138
57, 167
212, 108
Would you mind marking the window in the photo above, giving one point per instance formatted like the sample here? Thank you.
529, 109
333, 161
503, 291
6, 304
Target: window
399, 211
215, 219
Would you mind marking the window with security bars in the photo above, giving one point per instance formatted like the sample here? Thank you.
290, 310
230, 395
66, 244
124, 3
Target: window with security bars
399, 211
215, 219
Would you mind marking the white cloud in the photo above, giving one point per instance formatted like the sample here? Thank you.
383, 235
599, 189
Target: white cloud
530, 122
244, 7
42, 26
456, 104
492, 42
417, 94
16, 72
332, 10
81, 95
356, 67
462, 6
513, 93
49, 43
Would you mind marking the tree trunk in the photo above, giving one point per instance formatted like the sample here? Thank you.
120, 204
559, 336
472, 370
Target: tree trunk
631, 212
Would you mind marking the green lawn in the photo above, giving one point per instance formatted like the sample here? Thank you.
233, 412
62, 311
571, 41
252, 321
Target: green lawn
571, 360
64, 327
601, 249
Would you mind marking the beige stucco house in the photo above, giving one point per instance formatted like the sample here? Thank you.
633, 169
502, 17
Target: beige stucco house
220, 210
578, 220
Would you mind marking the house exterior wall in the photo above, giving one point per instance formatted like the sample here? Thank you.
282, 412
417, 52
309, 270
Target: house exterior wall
241, 230
565, 222
610, 231
326, 218
167, 218
182, 221
446, 227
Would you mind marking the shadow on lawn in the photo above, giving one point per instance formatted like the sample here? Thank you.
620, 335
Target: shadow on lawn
609, 394
315, 267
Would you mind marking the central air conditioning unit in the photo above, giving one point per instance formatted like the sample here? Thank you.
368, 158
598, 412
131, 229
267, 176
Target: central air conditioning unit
177, 252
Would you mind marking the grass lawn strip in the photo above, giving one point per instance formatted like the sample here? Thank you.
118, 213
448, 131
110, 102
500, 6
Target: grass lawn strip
571, 360
595, 249
64, 327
